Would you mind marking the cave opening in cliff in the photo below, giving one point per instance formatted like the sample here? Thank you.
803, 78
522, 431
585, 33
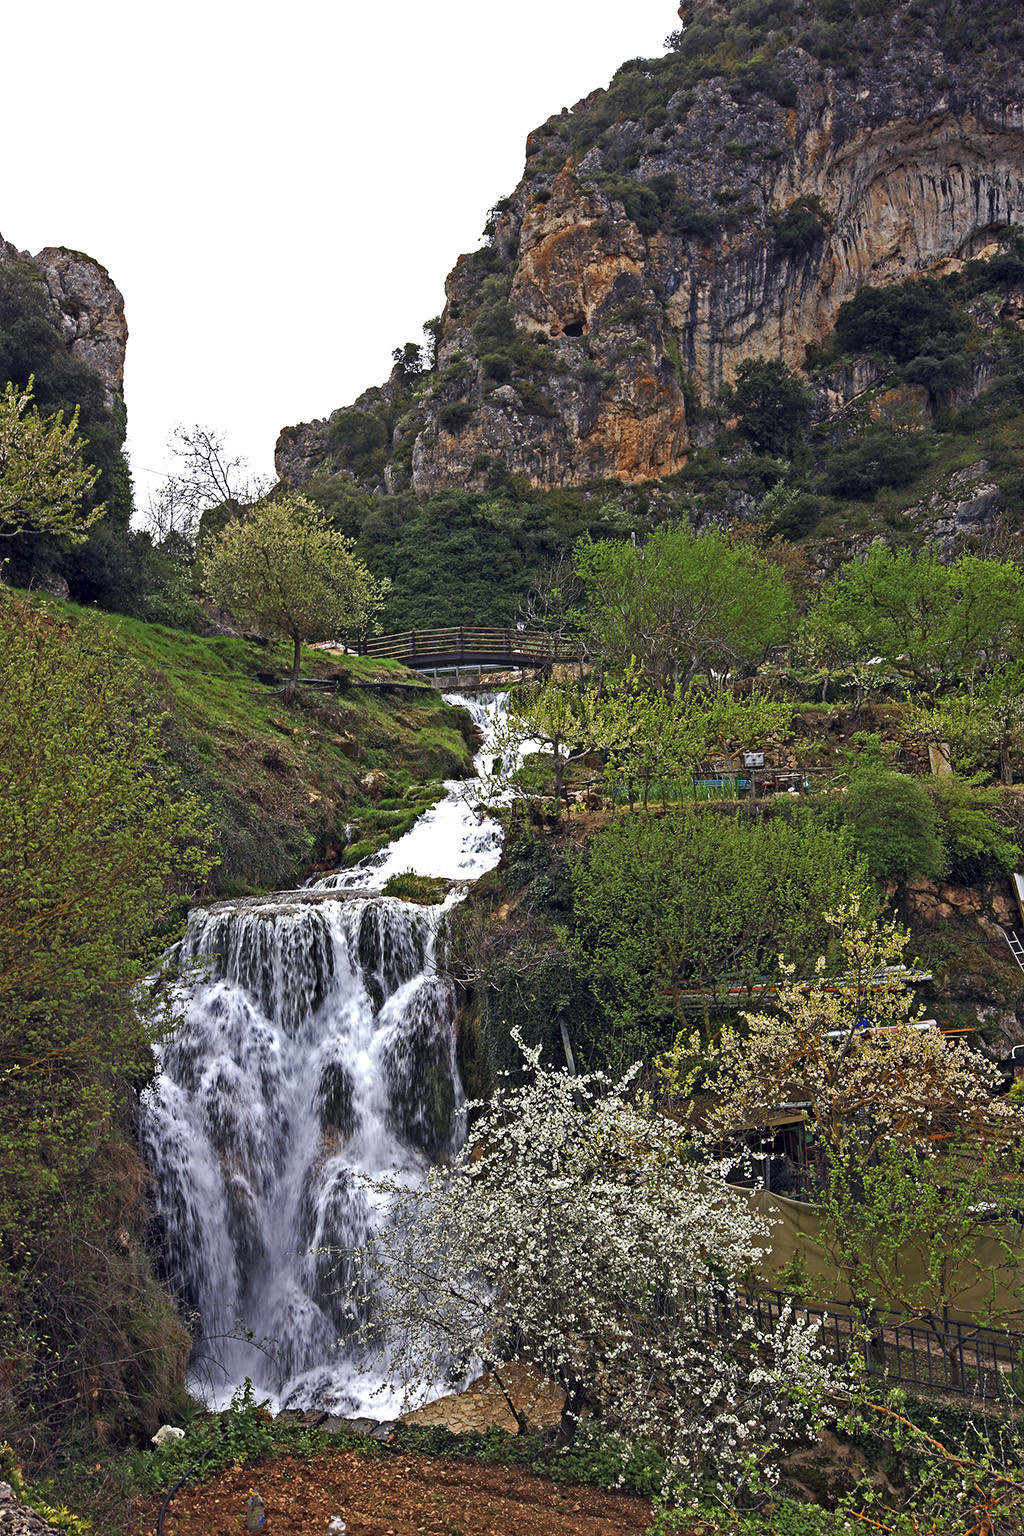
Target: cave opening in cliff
576, 329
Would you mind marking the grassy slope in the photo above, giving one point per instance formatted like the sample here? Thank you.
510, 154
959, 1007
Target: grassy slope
283, 780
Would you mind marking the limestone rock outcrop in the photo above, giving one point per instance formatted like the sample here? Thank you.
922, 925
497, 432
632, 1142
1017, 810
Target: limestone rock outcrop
86, 305
91, 310
714, 206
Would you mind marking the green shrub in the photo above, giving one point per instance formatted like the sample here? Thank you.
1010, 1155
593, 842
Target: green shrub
358, 441
644, 202
535, 402
598, 1457
1006, 269
916, 317
497, 366
688, 222
494, 326
456, 415
455, 373
977, 847
248, 1430
798, 515
893, 822
883, 457
800, 227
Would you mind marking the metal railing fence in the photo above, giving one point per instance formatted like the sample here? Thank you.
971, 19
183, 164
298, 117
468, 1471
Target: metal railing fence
969, 1361
470, 640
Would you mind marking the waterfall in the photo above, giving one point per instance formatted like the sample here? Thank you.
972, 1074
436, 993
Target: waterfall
317, 1045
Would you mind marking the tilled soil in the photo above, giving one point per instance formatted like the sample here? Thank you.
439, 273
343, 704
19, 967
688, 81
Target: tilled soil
397, 1495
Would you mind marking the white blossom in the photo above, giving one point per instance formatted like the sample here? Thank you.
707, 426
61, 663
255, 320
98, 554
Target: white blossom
572, 1232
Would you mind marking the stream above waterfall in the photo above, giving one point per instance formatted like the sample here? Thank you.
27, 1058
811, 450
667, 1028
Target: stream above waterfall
317, 1046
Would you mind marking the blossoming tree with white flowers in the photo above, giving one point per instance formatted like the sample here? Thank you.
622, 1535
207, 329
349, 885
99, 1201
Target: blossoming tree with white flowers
919, 1158
572, 1232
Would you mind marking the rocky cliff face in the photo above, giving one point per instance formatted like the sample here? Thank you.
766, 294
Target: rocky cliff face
84, 302
91, 311
712, 206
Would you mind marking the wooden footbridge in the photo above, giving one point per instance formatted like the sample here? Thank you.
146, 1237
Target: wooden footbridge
497, 650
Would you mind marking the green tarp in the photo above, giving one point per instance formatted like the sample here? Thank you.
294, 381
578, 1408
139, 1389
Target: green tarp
795, 1232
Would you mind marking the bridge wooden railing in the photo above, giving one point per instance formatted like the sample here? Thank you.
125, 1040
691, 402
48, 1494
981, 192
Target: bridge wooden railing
514, 645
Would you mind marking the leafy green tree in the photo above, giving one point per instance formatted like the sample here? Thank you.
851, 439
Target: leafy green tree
933, 622
283, 568
681, 604
982, 724
885, 456
408, 360
904, 321
42, 476
99, 845
938, 375
774, 405
673, 913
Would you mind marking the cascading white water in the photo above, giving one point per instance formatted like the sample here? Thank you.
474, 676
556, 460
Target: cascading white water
318, 1045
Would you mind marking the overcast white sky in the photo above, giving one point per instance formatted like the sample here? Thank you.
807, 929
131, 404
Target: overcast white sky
279, 193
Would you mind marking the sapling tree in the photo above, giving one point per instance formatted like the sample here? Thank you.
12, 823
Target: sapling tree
42, 474
567, 1233
567, 720
282, 567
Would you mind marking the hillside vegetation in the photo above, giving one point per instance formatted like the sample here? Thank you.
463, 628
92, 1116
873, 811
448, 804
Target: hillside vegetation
783, 533
287, 785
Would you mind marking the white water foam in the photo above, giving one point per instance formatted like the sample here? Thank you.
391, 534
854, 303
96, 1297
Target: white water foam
318, 1045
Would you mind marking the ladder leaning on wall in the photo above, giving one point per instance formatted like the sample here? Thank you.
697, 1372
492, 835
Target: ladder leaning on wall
1016, 947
